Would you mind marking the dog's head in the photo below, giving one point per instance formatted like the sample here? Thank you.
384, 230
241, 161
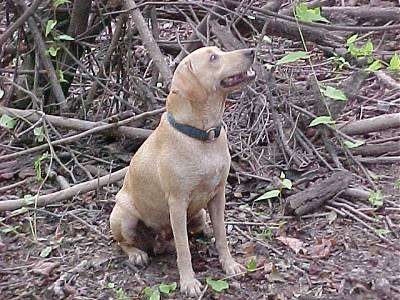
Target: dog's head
211, 70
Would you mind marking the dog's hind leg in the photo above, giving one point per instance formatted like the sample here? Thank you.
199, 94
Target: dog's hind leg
124, 229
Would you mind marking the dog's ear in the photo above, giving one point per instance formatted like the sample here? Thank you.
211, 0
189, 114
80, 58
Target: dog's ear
189, 66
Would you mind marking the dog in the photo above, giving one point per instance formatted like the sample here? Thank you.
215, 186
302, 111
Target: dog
182, 168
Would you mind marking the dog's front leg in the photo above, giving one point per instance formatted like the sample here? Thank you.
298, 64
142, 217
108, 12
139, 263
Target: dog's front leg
216, 209
178, 216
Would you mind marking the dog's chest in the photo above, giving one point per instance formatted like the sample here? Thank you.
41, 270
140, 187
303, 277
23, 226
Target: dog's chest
210, 177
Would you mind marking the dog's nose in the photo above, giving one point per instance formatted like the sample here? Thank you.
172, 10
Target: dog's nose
250, 53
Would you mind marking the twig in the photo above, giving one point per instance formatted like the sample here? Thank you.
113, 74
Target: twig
21, 20
83, 134
67, 193
42, 49
149, 42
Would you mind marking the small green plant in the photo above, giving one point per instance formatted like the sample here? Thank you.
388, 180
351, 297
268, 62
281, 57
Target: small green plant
50, 26
331, 92
46, 251
57, 3
7, 122
394, 64
251, 265
339, 62
38, 165
38, 132
382, 231
217, 285
119, 292
375, 66
303, 13
267, 234
354, 144
397, 184
321, 120
153, 293
292, 57
285, 184
376, 198
364, 51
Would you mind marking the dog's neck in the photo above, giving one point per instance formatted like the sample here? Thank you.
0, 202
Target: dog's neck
200, 113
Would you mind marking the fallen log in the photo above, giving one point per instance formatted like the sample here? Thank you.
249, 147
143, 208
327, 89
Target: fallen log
376, 15
315, 196
379, 123
76, 124
68, 193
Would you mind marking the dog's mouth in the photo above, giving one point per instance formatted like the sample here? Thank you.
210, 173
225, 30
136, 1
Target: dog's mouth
238, 79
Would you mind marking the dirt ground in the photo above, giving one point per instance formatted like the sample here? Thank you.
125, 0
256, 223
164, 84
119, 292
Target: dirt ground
74, 256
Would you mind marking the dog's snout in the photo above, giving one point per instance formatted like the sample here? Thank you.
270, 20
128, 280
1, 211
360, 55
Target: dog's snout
250, 53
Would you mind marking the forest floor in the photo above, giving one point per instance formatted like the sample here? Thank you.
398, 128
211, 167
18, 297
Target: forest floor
330, 257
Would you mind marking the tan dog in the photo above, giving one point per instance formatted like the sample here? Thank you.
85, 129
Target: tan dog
182, 168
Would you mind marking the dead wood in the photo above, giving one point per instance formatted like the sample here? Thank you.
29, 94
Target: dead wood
315, 196
379, 123
149, 42
225, 36
68, 193
78, 136
78, 25
21, 20
392, 148
76, 124
42, 50
375, 15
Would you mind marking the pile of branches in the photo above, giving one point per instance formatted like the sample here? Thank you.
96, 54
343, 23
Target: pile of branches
71, 71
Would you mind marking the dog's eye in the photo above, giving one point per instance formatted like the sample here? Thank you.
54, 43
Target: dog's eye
213, 57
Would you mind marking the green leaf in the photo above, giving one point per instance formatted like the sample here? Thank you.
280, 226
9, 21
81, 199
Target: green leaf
397, 184
251, 265
382, 231
394, 64
287, 184
53, 51
303, 13
267, 39
267, 234
269, 195
65, 37
352, 145
7, 122
333, 93
49, 26
376, 198
217, 285
38, 165
60, 76
152, 293
321, 120
29, 199
351, 39
57, 3
292, 57
46, 251
375, 66
110, 285
8, 229
167, 288
39, 133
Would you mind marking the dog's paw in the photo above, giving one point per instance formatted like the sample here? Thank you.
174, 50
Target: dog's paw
190, 286
232, 268
138, 257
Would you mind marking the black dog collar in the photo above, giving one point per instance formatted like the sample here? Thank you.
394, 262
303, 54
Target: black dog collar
203, 135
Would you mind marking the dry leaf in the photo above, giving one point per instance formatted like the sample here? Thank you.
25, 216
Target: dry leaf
295, 244
322, 249
45, 268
